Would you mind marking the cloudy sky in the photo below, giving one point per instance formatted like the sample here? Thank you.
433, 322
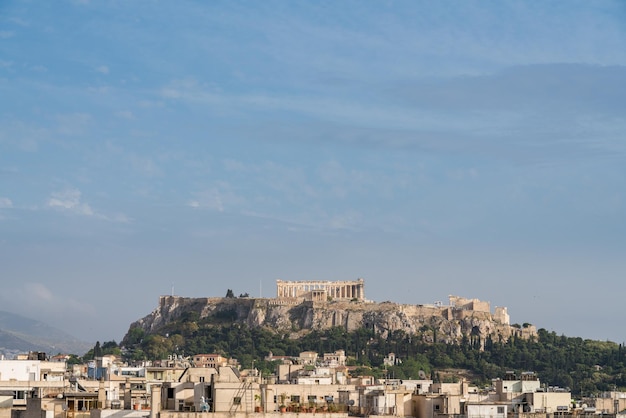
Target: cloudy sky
432, 148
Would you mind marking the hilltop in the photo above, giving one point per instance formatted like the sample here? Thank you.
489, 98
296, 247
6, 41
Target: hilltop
463, 338
463, 318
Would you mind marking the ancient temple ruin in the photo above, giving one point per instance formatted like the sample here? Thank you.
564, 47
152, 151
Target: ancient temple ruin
321, 290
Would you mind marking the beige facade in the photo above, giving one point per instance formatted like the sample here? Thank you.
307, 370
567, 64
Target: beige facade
611, 403
209, 360
549, 402
308, 357
164, 374
287, 373
336, 358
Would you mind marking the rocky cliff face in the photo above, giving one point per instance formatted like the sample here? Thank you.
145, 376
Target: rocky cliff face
445, 323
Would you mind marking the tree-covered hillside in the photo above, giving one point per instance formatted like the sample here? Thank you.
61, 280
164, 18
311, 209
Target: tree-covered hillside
584, 366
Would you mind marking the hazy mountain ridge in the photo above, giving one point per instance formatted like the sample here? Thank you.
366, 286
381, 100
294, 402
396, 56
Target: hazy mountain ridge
20, 334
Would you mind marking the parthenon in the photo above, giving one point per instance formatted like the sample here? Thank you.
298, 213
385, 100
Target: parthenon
321, 290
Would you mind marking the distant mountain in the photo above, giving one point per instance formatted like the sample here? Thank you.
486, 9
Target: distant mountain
19, 334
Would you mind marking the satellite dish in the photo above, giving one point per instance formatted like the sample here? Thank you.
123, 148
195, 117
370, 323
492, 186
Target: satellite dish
351, 402
422, 374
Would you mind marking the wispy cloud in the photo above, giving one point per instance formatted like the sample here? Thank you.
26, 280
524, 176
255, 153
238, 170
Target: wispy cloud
73, 123
219, 197
5, 203
190, 89
125, 114
39, 298
39, 292
69, 200
533, 111
18, 21
144, 165
291, 195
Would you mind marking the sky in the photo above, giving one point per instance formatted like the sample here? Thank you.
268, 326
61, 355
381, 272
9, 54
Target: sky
473, 148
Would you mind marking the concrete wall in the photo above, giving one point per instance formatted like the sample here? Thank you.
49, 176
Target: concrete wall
486, 411
170, 414
6, 402
118, 413
21, 370
608, 405
303, 392
549, 401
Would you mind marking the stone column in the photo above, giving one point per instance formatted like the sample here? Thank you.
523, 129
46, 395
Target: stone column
155, 401
102, 395
127, 395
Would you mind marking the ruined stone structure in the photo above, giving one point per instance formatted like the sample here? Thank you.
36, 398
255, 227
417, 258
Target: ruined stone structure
321, 290
476, 305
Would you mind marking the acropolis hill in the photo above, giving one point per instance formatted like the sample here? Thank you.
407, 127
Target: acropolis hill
302, 306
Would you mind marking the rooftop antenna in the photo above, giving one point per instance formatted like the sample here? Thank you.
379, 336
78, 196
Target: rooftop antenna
172, 289
260, 288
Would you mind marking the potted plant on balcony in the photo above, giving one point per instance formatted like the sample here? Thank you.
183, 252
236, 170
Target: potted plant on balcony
257, 402
295, 406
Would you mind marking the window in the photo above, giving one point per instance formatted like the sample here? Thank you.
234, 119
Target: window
170, 393
237, 400
295, 398
312, 398
437, 407
201, 379
500, 410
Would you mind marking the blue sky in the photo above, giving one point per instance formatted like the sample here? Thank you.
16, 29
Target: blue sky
432, 148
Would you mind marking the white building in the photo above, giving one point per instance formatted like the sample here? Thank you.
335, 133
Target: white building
486, 410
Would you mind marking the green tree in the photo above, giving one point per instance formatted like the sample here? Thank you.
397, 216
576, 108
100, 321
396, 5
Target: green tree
97, 350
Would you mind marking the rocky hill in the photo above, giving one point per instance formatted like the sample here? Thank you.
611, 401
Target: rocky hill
447, 323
